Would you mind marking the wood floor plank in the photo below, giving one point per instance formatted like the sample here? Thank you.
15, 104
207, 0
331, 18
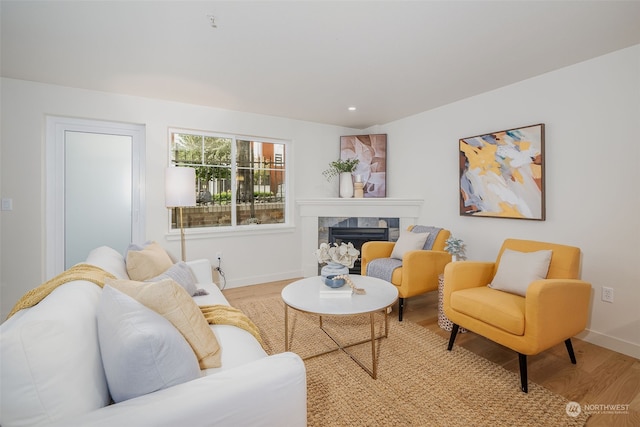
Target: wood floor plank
601, 376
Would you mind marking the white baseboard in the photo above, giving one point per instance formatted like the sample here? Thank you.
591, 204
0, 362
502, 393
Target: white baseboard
254, 280
612, 343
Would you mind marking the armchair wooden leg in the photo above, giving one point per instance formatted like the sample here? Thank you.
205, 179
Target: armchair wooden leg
452, 337
400, 308
572, 355
522, 358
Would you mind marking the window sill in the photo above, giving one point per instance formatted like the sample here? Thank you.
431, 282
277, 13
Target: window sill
244, 230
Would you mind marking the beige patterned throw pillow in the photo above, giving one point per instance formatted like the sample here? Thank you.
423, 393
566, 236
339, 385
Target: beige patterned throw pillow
146, 262
174, 303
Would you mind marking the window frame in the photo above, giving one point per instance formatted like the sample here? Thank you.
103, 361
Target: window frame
234, 228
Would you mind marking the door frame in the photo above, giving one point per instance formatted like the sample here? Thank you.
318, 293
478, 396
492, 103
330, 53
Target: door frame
54, 178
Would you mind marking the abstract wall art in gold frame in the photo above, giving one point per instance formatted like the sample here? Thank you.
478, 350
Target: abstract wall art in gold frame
502, 174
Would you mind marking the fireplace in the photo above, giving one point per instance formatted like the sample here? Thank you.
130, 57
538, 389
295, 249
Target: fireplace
317, 215
357, 236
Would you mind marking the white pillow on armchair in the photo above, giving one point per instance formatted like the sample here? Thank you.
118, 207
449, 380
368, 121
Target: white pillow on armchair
408, 241
517, 270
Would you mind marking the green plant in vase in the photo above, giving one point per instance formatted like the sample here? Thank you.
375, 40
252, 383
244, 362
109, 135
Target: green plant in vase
339, 166
455, 247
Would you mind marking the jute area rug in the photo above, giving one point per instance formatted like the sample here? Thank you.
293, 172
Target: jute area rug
419, 382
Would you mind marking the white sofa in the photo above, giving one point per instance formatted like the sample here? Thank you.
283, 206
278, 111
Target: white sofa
52, 373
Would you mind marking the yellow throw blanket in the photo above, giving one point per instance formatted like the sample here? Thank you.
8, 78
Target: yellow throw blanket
215, 314
87, 272
226, 315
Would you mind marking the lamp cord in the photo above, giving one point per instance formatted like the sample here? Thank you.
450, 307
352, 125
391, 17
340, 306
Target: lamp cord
223, 279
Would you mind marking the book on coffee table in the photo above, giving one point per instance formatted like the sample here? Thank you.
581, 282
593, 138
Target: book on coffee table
343, 291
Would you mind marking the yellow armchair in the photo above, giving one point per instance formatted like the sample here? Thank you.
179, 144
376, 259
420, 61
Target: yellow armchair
552, 310
419, 271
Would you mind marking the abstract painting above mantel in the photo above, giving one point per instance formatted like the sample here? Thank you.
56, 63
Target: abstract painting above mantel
502, 174
371, 150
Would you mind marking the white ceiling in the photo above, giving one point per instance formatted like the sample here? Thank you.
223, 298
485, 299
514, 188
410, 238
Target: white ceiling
307, 60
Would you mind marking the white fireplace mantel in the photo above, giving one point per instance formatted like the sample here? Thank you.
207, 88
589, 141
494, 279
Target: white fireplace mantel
407, 210
396, 208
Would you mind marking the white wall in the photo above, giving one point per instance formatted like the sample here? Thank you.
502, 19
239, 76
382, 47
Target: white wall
247, 259
592, 157
592, 116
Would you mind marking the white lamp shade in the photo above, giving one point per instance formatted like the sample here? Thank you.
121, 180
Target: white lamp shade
180, 184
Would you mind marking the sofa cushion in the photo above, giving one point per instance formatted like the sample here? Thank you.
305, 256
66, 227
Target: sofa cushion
51, 367
408, 241
516, 270
500, 309
145, 262
142, 352
109, 260
181, 273
174, 303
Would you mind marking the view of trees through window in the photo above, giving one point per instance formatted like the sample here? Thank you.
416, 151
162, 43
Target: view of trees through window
239, 180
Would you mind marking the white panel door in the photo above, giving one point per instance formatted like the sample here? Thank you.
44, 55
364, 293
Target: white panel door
95, 189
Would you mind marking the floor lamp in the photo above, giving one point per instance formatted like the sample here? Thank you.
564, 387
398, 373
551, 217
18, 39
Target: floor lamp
180, 184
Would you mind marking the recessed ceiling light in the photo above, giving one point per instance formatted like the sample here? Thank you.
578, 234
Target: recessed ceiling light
351, 108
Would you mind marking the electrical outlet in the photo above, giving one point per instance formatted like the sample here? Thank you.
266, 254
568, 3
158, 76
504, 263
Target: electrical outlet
7, 204
219, 256
607, 294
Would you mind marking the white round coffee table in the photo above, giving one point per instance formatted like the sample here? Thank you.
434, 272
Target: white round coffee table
311, 295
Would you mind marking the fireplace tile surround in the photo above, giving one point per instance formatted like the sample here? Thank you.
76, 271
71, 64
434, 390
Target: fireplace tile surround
326, 222
385, 229
317, 215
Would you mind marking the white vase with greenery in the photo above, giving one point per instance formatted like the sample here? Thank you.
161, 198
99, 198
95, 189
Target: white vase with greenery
343, 169
346, 185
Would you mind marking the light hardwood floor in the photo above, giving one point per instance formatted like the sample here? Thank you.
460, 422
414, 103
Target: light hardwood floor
601, 376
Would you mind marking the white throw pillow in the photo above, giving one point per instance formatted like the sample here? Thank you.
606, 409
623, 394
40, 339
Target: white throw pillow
518, 269
142, 352
408, 241
181, 273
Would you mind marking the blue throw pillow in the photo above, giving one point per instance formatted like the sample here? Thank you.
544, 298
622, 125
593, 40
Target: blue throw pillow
142, 352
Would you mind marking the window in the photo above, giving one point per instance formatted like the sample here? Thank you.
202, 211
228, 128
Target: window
240, 181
